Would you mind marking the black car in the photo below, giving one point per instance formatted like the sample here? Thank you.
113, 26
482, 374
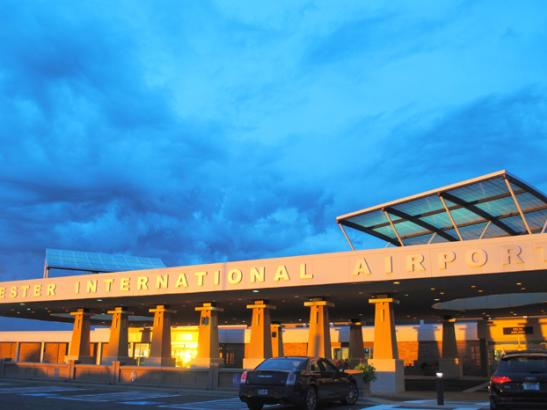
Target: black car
520, 381
296, 380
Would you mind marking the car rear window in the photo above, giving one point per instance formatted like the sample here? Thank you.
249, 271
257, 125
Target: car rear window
524, 364
286, 364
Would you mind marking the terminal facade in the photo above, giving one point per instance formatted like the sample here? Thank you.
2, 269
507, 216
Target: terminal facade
461, 282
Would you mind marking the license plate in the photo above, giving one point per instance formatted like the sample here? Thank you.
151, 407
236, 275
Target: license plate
262, 392
530, 386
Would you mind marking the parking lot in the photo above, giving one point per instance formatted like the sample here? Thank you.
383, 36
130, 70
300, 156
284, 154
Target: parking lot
29, 395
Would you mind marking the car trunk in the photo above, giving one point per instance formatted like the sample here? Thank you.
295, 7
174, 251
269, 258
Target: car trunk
267, 377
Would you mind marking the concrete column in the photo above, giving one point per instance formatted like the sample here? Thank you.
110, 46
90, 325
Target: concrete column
260, 347
42, 351
79, 344
208, 351
356, 352
17, 351
483, 332
277, 339
385, 356
160, 349
118, 346
99, 353
450, 364
319, 334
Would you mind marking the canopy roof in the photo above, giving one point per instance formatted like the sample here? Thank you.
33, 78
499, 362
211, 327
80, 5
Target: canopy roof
97, 262
492, 205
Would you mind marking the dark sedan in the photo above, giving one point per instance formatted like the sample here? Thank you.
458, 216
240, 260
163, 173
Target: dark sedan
296, 380
520, 381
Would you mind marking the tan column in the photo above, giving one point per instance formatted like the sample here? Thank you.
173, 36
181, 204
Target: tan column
483, 333
208, 351
385, 356
319, 334
160, 349
260, 346
277, 339
450, 364
356, 352
118, 345
79, 343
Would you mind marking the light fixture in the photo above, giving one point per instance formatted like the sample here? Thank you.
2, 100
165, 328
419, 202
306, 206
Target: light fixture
100, 300
396, 282
436, 299
473, 286
439, 375
433, 289
255, 291
522, 288
480, 291
518, 283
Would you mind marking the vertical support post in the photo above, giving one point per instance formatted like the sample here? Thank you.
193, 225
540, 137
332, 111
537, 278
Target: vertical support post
42, 351
510, 188
484, 336
450, 364
450, 216
99, 353
17, 351
208, 349
356, 352
260, 347
277, 339
319, 334
160, 349
385, 355
118, 346
79, 349
346, 236
393, 228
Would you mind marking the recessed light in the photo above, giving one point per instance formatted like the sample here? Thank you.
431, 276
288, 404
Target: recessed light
522, 288
100, 300
473, 286
436, 299
433, 289
480, 291
441, 293
396, 282
518, 283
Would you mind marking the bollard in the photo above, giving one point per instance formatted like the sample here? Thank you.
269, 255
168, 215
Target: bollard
440, 389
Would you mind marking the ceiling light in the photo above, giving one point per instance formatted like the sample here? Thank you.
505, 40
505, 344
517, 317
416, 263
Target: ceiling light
473, 286
396, 282
522, 288
518, 283
100, 300
480, 291
255, 291
436, 299
433, 289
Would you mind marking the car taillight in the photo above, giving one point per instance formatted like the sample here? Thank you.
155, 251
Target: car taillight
500, 379
291, 379
243, 379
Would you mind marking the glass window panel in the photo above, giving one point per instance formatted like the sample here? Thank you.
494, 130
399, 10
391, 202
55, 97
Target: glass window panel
420, 206
481, 190
529, 202
98, 262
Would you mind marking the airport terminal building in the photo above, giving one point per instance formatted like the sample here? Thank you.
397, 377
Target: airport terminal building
461, 280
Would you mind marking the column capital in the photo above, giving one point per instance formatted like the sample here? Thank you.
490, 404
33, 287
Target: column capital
80, 311
318, 302
383, 300
261, 304
162, 308
120, 310
208, 307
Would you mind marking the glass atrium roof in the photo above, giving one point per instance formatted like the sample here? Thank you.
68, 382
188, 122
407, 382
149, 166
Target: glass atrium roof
98, 262
492, 205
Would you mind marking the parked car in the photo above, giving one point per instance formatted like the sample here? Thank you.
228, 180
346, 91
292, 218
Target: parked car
296, 380
520, 381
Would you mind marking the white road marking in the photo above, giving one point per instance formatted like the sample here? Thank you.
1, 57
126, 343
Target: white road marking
36, 389
224, 404
122, 396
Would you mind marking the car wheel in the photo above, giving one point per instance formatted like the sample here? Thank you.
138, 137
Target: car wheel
352, 395
255, 405
310, 402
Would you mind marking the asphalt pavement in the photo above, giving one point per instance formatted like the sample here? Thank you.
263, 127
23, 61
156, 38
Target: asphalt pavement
33, 395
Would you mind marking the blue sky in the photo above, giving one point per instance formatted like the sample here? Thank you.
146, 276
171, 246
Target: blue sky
201, 131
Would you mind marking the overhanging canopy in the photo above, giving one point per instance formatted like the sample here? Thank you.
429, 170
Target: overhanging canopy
489, 206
